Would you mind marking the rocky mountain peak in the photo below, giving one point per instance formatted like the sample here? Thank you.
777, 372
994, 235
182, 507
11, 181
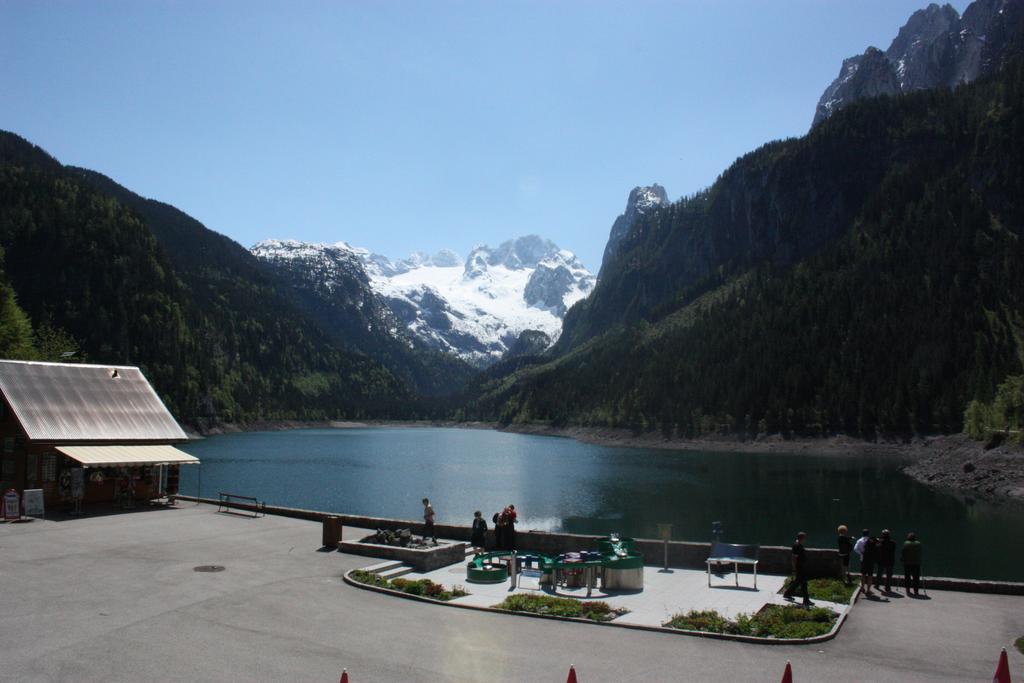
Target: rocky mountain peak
523, 252
919, 51
642, 199
935, 48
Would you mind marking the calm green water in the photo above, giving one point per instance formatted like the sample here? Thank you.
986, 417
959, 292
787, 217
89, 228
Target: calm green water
564, 485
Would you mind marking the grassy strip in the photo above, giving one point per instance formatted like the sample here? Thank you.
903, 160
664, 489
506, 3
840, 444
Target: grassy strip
788, 622
595, 610
830, 590
422, 587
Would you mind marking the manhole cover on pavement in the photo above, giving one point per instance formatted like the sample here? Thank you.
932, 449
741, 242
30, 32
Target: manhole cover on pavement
208, 568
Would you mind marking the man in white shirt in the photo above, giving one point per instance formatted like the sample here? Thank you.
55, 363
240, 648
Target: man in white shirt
859, 545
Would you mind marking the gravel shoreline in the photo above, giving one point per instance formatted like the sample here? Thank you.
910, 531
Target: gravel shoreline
952, 462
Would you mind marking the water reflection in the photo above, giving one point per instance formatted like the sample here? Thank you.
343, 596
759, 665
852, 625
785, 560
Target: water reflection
559, 484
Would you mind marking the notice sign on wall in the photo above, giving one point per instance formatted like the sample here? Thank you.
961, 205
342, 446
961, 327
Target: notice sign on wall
12, 505
32, 501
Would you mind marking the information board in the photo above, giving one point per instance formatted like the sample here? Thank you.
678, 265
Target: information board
12, 505
32, 501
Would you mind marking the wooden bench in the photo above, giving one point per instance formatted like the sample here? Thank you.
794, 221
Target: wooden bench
734, 554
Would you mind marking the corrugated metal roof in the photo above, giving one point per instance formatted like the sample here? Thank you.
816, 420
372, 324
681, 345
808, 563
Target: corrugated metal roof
112, 456
75, 402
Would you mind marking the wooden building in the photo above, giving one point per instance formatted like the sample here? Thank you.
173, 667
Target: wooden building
89, 433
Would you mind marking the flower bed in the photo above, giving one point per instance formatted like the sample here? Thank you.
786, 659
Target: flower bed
788, 622
595, 610
422, 587
830, 590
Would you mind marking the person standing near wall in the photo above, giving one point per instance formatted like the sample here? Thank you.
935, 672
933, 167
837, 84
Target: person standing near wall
910, 557
799, 571
428, 521
499, 539
886, 560
868, 562
479, 535
844, 543
508, 533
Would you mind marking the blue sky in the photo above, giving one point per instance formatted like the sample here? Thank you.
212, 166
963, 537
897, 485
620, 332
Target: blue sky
402, 126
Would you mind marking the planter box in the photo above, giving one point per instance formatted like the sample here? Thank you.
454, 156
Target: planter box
423, 559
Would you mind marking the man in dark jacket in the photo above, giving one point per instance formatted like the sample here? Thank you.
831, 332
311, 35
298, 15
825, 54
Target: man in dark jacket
911, 559
799, 571
886, 560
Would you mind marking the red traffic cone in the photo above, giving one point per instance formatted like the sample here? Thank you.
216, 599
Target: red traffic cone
787, 675
572, 675
1002, 669
344, 676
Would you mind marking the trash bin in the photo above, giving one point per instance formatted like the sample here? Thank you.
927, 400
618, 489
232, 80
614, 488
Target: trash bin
332, 532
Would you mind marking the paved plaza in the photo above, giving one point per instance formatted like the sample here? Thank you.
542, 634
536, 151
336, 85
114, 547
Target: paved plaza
665, 594
115, 598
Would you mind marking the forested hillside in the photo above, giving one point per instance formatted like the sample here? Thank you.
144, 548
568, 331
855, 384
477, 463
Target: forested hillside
225, 278
866, 277
156, 289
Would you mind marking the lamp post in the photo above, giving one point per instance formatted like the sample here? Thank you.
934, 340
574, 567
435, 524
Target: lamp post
665, 533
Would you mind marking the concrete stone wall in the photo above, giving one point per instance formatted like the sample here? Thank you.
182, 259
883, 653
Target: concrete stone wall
774, 559
681, 554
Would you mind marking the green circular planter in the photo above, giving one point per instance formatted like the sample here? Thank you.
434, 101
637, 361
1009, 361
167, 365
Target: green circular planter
493, 574
627, 562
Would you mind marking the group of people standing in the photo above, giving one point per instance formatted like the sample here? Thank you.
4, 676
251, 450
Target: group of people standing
504, 530
504, 527
878, 559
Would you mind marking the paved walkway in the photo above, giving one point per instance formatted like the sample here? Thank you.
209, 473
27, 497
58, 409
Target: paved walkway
664, 594
116, 599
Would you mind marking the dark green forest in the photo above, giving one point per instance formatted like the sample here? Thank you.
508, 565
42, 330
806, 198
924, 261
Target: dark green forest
866, 278
214, 334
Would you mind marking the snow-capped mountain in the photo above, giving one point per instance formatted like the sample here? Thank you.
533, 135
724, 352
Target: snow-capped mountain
474, 309
937, 47
331, 280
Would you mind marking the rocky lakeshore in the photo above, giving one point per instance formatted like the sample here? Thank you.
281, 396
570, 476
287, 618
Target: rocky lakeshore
952, 462
959, 463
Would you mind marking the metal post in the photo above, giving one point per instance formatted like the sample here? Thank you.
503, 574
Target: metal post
665, 532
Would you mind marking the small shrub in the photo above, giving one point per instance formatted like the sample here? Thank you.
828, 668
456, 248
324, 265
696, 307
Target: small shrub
708, 621
1020, 644
422, 587
830, 590
792, 621
560, 607
774, 621
369, 578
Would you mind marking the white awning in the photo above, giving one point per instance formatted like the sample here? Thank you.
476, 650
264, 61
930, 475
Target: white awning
127, 456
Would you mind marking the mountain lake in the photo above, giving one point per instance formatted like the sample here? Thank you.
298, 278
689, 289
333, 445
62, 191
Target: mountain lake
559, 484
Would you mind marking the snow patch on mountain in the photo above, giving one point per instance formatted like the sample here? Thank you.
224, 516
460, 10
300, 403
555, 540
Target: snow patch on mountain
478, 309
475, 309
